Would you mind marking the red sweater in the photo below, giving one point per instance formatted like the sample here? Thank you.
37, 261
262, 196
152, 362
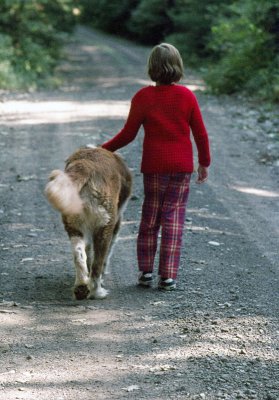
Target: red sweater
168, 113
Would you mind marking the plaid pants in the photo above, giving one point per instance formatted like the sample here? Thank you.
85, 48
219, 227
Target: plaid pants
164, 206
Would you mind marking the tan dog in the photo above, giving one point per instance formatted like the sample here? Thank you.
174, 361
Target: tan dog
91, 195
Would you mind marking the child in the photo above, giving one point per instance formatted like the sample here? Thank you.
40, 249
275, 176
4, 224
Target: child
167, 112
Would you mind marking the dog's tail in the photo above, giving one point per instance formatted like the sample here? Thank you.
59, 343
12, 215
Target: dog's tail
63, 194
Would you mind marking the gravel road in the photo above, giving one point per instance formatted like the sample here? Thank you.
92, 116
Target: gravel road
216, 337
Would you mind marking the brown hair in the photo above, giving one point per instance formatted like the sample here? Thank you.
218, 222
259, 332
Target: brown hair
165, 64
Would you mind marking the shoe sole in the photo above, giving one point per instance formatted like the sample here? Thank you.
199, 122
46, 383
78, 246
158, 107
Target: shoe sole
166, 288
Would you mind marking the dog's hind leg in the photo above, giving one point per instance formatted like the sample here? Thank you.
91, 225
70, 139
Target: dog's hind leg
102, 242
89, 255
81, 288
111, 246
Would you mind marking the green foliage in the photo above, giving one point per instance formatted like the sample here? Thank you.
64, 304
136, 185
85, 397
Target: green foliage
237, 40
150, 22
31, 33
245, 43
108, 15
7, 75
192, 21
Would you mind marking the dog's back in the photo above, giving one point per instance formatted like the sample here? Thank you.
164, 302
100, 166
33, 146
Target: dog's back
90, 194
90, 175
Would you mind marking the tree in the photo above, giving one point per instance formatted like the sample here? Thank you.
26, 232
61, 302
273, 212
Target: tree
108, 15
150, 22
192, 23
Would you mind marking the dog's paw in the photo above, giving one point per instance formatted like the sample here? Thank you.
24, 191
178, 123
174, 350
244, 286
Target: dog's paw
99, 293
81, 292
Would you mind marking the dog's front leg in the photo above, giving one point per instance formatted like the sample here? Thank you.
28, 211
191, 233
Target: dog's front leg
81, 288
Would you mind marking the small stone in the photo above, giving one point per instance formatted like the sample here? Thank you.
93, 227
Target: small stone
21, 178
213, 243
131, 388
250, 392
270, 397
29, 346
4, 348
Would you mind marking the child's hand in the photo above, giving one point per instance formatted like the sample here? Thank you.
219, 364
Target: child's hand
202, 174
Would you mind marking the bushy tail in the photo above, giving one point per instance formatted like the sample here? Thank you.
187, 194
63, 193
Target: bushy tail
63, 194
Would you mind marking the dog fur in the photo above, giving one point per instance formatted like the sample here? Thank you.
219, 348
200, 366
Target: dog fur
91, 195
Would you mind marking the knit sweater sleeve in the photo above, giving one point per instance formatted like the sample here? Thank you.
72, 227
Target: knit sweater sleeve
130, 129
200, 134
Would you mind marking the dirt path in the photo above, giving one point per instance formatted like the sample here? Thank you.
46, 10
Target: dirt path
216, 337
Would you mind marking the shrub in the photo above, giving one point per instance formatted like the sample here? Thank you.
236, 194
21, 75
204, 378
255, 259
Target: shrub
192, 22
245, 44
7, 75
31, 36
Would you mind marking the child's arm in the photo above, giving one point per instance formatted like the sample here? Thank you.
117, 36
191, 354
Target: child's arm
130, 129
200, 135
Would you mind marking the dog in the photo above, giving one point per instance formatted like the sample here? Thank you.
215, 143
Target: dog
91, 194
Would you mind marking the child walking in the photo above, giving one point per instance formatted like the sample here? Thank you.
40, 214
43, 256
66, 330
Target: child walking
168, 113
